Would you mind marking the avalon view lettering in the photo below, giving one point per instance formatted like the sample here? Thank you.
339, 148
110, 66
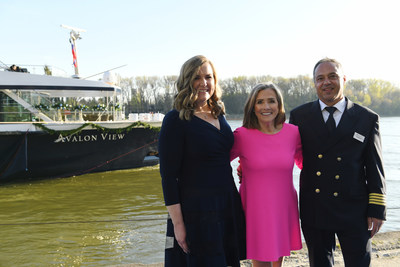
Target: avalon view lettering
89, 138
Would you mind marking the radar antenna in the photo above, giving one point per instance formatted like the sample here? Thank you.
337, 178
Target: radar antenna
3, 65
74, 35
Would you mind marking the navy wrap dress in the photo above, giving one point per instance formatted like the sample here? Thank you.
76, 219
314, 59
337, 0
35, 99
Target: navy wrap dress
196, 172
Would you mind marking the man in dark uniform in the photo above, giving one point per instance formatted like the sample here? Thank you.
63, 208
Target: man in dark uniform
342, 184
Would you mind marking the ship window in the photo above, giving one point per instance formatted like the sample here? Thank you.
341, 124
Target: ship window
11, 111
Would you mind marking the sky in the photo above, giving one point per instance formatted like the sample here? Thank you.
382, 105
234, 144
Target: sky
255, 37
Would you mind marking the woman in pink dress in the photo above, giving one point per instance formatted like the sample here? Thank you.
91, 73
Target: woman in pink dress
268, 148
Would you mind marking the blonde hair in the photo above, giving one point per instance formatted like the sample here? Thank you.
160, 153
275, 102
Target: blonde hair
186, 97
250, 120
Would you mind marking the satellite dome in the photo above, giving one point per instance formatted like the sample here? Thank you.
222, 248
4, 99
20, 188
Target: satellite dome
109, 77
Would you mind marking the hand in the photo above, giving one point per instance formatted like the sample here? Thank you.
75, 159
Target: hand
180, 236
374, 225
239, 172
175, 212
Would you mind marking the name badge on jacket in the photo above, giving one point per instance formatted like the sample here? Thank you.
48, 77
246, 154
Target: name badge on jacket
359, 137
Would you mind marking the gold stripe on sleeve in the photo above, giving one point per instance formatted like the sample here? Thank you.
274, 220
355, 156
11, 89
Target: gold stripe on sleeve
377, 199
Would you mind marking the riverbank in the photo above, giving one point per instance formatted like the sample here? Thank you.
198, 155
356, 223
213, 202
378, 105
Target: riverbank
385, 253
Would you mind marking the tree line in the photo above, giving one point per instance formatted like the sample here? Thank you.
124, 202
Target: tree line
156, 94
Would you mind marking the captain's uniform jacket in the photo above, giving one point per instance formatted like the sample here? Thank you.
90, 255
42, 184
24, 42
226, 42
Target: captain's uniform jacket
342, 181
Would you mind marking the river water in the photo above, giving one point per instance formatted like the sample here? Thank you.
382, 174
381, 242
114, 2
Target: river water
118, 217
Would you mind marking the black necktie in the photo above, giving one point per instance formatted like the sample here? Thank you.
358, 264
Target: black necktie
330, 122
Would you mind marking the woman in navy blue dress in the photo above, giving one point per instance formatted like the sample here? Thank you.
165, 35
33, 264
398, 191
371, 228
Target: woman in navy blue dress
206, 225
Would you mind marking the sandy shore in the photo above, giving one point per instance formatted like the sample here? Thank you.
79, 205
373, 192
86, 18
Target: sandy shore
385, 253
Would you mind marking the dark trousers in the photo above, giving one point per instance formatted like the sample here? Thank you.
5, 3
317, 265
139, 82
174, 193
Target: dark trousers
355, 245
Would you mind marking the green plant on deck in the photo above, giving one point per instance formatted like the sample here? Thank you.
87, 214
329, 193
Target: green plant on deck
99, 107
42, 107
80, 107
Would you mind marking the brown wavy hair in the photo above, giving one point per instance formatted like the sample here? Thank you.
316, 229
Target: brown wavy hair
250, 120
186, 97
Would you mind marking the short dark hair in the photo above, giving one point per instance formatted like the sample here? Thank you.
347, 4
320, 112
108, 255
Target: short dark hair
334, 61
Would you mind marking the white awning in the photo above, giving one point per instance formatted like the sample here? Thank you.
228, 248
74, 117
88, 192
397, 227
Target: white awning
55, 86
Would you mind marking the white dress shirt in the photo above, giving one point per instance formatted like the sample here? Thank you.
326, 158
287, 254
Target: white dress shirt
337, 115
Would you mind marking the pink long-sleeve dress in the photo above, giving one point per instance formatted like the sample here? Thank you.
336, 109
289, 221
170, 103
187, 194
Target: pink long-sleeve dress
268, 195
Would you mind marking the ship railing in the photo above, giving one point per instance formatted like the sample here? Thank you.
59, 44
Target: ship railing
16, 116
60, 116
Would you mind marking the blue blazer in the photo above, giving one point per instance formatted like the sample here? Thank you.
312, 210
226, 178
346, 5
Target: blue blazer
342, 181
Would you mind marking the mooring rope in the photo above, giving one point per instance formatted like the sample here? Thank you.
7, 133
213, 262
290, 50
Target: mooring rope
108, 161
120, 156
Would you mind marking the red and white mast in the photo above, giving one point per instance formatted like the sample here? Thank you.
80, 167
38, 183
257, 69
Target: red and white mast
74, 35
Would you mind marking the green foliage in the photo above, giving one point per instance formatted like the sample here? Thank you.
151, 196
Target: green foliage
156, 94
99, 107
378, 95
62, 105
47, 70
42, 107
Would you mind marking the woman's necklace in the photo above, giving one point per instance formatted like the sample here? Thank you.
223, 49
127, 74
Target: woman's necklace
203, 114
208, 117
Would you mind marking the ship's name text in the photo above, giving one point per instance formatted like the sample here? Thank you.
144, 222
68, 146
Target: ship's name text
90, 137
